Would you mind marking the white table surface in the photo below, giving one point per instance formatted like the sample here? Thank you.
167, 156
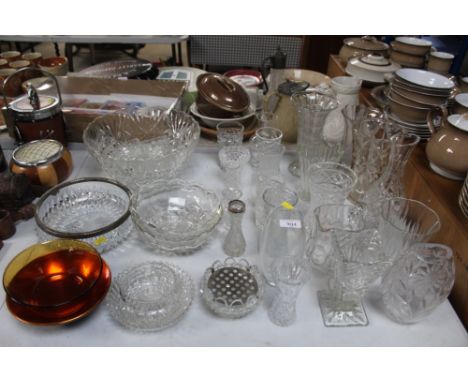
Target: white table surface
97, 39
201, 328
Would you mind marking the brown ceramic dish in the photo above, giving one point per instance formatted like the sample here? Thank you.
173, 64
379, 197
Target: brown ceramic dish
420, 96
406, 59
407, 112
400, 96
460, 105
220, 97
360, 46
412, 45
440, 62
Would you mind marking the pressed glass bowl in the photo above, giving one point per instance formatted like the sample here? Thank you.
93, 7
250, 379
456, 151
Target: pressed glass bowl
159, 299
52, 274
95, 210
233, 288
175, 216
139, 149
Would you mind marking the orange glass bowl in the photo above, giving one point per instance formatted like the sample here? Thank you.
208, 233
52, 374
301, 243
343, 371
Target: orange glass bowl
57, 274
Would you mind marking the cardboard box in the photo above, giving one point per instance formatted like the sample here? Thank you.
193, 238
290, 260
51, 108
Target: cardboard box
164, 92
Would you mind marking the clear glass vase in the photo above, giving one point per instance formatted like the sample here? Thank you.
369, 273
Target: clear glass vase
418, 282
266, 135
359, 261
390, 184
234, 243
284, 235
314, 144
233, 158
320, 224
290, 273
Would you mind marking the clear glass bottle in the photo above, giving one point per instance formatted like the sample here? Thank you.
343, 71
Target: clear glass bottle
234, 243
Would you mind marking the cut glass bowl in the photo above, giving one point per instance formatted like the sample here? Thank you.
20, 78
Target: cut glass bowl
175, 216
233, 288
139, 149
94, 210
151, 296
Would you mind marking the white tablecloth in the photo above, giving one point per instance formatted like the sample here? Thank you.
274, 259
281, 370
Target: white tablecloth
201, 328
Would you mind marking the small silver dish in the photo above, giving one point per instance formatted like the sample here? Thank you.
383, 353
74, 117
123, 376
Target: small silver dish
232, 288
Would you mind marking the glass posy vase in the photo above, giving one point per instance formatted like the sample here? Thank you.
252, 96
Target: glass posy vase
418, 283
313, 143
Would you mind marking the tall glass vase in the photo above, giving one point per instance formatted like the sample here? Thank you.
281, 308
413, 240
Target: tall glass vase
390, 184
314, 143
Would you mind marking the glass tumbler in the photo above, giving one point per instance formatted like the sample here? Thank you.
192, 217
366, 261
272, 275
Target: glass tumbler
418, 283
329, 183
290, 274
263, 136
229, 133
233, 158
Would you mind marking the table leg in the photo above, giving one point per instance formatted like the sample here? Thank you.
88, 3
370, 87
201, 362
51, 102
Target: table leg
179, 50
57, 49
174, 56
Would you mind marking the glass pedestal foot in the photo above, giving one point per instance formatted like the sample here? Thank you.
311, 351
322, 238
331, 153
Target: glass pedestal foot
336, 312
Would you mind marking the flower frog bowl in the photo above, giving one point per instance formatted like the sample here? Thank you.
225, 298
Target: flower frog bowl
139, 149
233, 288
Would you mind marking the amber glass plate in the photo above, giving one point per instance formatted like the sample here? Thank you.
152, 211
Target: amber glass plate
67, 313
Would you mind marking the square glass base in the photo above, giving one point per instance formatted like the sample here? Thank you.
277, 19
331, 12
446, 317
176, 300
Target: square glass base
336, 312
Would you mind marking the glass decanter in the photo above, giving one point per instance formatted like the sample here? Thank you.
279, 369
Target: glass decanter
234, 243
313, 143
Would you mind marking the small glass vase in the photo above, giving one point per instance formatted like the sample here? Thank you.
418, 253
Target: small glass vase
233, 158
234, 243
290, 273
263, 136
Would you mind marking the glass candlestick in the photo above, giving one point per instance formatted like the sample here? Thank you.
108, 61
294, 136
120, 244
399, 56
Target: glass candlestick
234, 244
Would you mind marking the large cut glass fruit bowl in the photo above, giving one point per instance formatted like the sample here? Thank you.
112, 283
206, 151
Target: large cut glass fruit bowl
138, 149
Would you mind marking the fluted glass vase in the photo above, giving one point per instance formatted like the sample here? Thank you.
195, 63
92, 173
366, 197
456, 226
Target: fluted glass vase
314, 143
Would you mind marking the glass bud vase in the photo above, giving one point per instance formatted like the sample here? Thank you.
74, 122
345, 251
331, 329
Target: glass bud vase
313, 143
234, 244
283, 235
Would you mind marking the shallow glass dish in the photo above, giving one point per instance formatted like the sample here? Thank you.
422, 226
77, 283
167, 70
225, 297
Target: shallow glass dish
175, 216
52, 274
139, 149
232, 288
95, 210
151, 296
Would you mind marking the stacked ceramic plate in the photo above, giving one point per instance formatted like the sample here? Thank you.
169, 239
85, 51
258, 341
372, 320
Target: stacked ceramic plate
410, 52
413, 94
463, 198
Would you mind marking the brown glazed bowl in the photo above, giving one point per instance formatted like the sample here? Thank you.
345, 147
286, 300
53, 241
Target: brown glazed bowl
412, 45
407, 112
220, 97
420, 96
406, 59
58, 66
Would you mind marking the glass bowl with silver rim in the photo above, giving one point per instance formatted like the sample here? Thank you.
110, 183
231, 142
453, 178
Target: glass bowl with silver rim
175, 216
139, 149
232, 288
94, 210
150, 296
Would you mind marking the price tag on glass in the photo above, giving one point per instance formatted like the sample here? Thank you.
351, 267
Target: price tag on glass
289, 223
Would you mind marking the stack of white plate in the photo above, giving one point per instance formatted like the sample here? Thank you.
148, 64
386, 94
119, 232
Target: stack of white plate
463, 198
413, 93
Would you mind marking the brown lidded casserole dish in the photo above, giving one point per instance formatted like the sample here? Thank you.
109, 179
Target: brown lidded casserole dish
220, 97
